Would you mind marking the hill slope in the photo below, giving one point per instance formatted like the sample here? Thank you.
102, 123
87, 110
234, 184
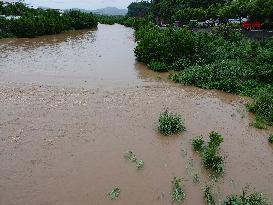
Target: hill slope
111, 11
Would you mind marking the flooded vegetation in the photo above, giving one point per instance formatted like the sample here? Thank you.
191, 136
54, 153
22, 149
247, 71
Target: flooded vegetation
72, 104
108, 114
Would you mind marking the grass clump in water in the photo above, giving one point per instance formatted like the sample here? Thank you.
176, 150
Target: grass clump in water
178, 194
114, 194
270, 139
196, 179
211, 158
140, 164
209, 196
198, 144
170, 123
132, 157
246, 199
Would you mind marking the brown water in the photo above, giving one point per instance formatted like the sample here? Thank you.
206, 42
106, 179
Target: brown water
72, 104
100, 58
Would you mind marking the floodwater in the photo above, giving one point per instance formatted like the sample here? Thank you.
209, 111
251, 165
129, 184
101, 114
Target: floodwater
101, 58
72, 104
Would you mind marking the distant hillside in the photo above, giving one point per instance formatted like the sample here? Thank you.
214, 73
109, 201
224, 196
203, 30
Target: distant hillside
111, 11
82, 10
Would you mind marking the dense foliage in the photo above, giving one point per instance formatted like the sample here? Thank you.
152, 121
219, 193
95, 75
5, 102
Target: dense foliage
110, 20
184, 10
222, 60
36, 22
139, 9
263, 104
198, 144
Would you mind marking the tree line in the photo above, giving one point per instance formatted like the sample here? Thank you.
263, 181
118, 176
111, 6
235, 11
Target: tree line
37, 22
185, 10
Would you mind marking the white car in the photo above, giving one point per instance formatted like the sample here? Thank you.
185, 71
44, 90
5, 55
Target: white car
238, 21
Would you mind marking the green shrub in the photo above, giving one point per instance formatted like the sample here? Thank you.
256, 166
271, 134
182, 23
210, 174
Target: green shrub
178, 194
170, 123
246, 199
270, 139
110, 20
227, 32
224, 75
134, 22
215, 139
213, 161
198, 144
181, 64
80, 20
167, 46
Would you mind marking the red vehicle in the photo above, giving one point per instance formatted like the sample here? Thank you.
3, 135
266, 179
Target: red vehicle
251, 25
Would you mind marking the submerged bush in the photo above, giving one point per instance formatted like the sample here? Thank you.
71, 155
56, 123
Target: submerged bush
132, 157
211, 158
198, 144
215, 139
114, 194
246, 199
209, 196
170, 123
213, 161
178, 194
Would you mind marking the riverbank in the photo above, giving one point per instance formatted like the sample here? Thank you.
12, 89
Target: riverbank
222, 59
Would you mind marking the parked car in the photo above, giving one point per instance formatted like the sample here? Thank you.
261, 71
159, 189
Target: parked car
251, 25
237, 21
193, 24
209, 23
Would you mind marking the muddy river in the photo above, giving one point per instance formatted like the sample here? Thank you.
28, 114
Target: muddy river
72, 104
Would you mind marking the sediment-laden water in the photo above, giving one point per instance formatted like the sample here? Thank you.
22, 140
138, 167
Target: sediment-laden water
72, 104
